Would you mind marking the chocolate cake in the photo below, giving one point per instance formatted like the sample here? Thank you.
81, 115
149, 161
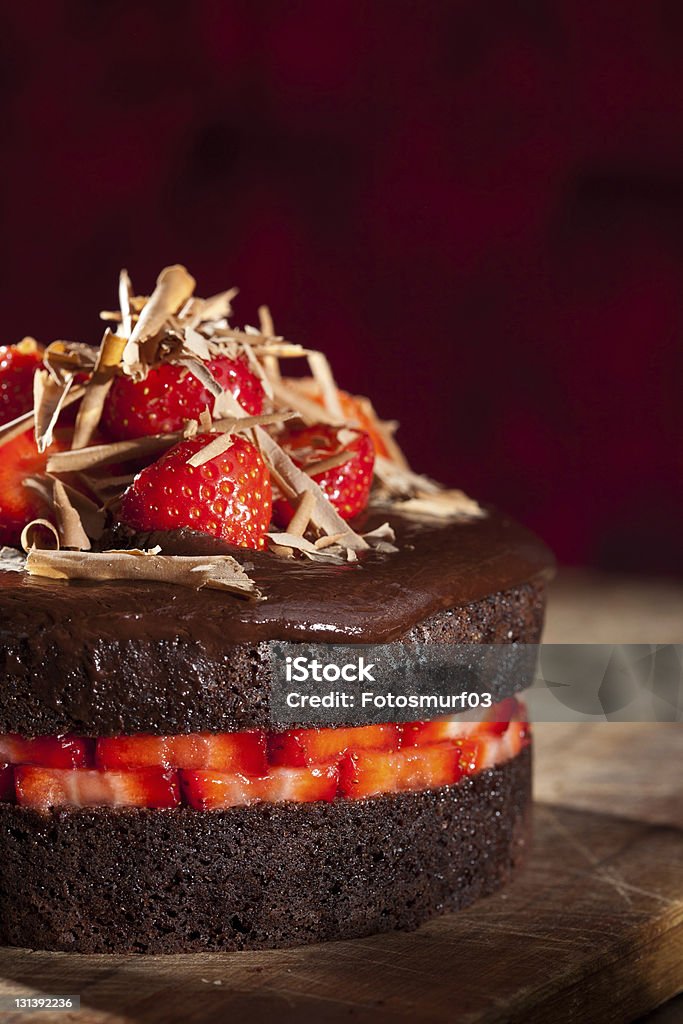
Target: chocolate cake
150, 799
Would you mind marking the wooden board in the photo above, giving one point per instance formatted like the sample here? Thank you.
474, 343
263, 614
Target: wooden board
591, 931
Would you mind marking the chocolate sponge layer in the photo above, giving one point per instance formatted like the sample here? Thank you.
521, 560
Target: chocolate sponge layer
114, 880
109, 683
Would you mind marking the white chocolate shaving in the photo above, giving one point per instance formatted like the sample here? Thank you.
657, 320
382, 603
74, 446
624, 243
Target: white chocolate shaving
90, 411
320, 368
334, 461
48, 398
302, 517
103, 454
212, 450
174, 287
446, 504
69, 525
125, 293
217, 572
28, 534
11, 560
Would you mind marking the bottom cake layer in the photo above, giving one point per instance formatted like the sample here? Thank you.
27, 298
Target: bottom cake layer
105, 880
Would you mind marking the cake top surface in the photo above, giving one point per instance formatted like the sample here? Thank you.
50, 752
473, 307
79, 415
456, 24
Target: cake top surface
377, 599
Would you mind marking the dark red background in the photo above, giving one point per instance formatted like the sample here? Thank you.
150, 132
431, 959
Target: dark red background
475, 208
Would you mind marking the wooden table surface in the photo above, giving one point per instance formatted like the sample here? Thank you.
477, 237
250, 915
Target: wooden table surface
592, 930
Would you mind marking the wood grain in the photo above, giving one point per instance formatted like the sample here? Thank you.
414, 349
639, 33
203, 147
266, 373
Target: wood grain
632, 770
592, 930
594, 608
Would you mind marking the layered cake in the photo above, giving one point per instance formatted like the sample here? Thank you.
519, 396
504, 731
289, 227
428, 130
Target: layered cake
172, 501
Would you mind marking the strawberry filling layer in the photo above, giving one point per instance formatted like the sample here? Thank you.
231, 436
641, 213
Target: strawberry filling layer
212, 771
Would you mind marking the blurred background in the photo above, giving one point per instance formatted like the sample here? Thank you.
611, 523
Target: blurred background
476, 209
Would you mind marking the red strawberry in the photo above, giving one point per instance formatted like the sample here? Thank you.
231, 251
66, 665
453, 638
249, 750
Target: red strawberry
18, 363
371, 772
234, 752
479, 752
170, 394
315, 746
359, 413
228, 497
368, 773
353, 407
500, 716
20, 458
417, 734
6, 783
429, 767
515, 737
43, 788
346, 486
47, 751
215, 790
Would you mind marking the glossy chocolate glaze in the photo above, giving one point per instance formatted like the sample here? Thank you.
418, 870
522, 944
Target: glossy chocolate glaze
376, 600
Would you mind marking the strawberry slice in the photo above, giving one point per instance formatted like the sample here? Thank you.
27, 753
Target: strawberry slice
170, 395
235, 752
228, 497
18, 363
481, 751
473, 755
42, 788
429, 767
515, 737
6, 783
417, 734
316, 746
47, 751
207, 791
486, 748
371, 772
500, 716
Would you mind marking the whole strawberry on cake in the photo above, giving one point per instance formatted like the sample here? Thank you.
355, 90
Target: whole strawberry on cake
172, 501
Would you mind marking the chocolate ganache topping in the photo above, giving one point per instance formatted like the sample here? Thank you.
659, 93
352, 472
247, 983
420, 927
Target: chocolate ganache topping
374, 600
